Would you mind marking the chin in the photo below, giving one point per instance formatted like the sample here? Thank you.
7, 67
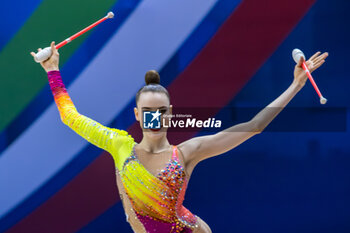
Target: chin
155, 134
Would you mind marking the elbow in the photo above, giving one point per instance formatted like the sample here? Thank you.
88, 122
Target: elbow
68, 115
64, 121
256, 127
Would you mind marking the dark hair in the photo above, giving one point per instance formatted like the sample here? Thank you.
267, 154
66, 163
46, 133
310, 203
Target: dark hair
152, 80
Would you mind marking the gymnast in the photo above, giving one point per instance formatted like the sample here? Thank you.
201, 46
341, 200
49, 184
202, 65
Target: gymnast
152, 175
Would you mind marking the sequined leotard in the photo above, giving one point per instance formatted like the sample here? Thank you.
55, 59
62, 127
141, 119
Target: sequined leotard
156, 200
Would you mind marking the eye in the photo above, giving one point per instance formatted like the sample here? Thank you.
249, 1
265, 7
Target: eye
163, 111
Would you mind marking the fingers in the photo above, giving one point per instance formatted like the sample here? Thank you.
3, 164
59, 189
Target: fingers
33, 54
321, 57
317, 65
53, 48
315, 55
319, 61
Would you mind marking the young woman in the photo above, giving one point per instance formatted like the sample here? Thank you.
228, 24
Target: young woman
152, 175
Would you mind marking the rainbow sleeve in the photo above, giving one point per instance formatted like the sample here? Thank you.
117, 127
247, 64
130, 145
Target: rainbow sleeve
108, 139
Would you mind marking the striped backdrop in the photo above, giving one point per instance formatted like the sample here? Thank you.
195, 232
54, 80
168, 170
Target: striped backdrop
218, 53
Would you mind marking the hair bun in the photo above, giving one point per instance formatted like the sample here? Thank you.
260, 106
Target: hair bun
152, 77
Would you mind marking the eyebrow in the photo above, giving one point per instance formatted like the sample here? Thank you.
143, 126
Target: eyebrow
146, 108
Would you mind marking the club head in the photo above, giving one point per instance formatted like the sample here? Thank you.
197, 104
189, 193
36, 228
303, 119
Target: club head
297, 54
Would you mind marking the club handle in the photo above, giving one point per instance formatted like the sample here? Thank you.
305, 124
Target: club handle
322, 99
308, 73
46, 53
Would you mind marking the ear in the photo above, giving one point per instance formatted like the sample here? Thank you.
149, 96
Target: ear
136, 114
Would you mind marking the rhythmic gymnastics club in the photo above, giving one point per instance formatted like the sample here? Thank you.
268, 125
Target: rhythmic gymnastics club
46, 52
297, 54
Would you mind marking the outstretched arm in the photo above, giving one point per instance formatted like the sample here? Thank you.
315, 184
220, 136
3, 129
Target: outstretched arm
101, 136
200, 148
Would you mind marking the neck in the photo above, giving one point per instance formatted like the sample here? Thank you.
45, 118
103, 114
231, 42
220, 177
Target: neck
154, 146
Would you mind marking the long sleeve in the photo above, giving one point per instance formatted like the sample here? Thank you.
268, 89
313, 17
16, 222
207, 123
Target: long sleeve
109, 139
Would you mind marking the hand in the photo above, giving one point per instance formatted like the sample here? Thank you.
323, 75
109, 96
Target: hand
313, 64
52, 62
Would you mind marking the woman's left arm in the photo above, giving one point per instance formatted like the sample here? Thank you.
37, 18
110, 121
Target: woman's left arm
200, 148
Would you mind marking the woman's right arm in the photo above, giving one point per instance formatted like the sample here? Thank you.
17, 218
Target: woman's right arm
94, 132
109, 139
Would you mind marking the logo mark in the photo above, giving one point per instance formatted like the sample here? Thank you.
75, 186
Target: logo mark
151, 119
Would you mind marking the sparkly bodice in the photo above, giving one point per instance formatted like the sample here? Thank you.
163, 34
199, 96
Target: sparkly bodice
157, 200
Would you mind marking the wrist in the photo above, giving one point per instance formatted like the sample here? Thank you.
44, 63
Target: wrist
297, 85
54, 68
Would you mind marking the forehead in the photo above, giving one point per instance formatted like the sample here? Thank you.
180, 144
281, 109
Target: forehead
153, 100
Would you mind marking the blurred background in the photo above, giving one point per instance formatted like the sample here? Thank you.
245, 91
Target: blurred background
210, 53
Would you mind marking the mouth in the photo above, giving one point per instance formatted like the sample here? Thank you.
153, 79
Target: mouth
155, 130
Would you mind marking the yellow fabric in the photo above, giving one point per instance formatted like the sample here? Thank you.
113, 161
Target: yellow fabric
117, 142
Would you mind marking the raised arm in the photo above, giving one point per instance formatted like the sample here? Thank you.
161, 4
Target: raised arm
200, 148
101, 136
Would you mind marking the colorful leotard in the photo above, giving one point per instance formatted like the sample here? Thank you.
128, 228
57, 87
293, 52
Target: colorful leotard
156, 200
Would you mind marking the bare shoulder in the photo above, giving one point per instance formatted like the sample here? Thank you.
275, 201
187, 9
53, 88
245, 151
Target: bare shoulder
203, 227
187, 150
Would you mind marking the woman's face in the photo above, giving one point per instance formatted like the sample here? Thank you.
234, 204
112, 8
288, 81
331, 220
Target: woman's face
153, 101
